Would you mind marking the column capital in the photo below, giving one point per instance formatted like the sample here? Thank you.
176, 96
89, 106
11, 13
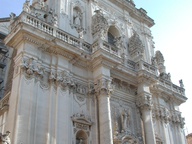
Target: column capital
144, 101
103, 86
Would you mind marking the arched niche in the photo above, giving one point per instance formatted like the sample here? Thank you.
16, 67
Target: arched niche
81, 137
81, 128
77, 17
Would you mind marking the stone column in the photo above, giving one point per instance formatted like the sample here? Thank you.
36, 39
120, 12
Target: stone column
144, 102
103, 89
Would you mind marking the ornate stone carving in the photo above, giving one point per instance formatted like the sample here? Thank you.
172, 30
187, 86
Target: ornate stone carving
4, 138
99, 23
166, 115
32, 67
144, 101
181, 83
125, 120
65, 78
124, 86
135, 47
26, 6
165, 76
103, 86
81, 121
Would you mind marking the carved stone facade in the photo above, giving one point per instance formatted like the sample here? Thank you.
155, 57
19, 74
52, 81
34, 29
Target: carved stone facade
81, 74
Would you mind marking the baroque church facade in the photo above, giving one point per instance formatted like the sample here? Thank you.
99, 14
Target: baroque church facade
86, 72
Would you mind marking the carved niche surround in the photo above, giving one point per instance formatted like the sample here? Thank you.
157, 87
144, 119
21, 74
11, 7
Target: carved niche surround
81, 128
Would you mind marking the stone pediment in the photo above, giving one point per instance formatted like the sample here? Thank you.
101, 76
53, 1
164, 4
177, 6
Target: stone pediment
82, 119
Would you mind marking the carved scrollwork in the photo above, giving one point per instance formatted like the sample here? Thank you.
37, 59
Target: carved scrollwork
32, 67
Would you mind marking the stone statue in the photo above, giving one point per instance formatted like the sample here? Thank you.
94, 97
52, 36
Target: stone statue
78, 19
169, 76
125, 117
153, 61
181, 83
4, 138
26, 6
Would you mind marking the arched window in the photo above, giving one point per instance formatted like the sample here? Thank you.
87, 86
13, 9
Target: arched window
112, 34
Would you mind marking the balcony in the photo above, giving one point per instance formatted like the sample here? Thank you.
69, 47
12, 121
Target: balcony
51, 30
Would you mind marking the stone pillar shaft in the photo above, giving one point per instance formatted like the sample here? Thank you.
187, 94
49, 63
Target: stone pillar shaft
148, 126
144, 102
105, 120
103, 90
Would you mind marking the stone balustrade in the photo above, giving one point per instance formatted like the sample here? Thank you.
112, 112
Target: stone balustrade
100, 44
142, 65
51, 30
172, 87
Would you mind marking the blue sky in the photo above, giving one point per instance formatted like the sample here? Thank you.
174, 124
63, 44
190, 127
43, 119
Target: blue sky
172, 36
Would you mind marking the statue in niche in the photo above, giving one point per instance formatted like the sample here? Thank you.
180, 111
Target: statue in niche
77, 19
4, 138
125, 118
